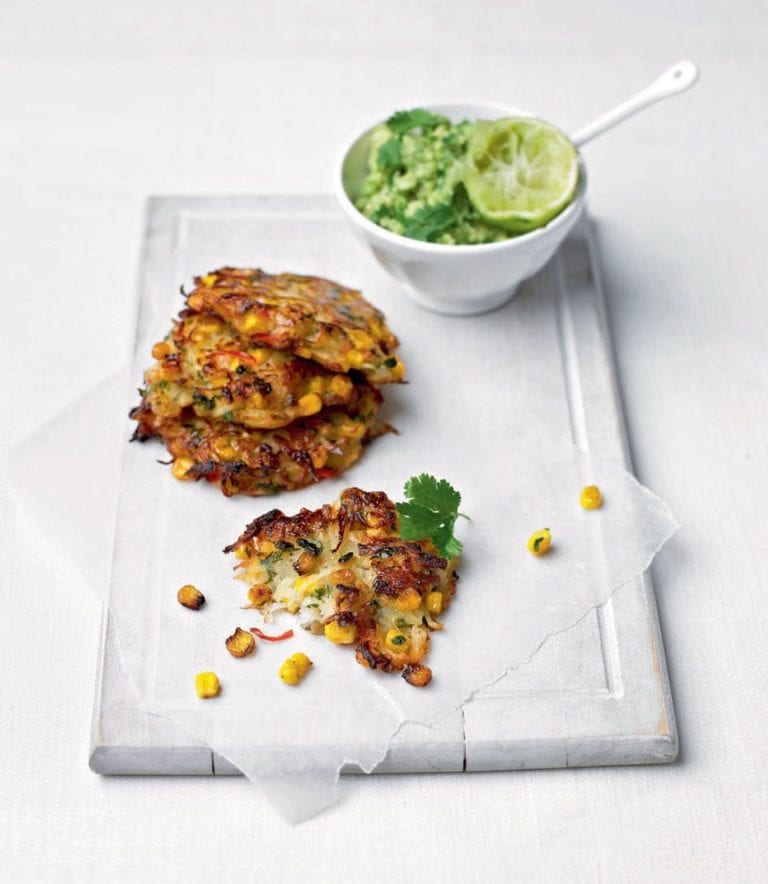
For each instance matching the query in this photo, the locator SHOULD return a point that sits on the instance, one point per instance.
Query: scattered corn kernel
(259, 354)
(190, 596)
(240, 643)
(294, 668)
(207, 685)
(243, 552)
(540, 541)
(311, 403)
(591, 498)
(417, 675)
(408, 601)
(209, 279)
(181, 467)
(340, 635)
(161, 350)
(433, 601)
(289, 672)
(302, 663)
(397, 641)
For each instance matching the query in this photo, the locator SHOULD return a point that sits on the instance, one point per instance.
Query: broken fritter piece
(242, 460)
(205, 365)
(312, 317)
(345, 570)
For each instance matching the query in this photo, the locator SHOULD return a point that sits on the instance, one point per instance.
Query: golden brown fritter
(205, 365)
(347, 572)
(242, 460)
(312, 317)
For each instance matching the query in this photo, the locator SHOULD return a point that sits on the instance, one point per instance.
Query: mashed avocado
(414, 185)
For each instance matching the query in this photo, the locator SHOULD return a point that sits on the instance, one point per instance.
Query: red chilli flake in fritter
(348, 574)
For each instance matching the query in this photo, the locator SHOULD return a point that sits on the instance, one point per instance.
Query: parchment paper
(484, 408)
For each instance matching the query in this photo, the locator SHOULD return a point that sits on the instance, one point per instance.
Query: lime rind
(520, 173)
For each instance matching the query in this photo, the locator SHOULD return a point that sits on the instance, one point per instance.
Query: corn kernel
(397, 641)
(433, 601)
(181, 467)
(258, 594)
(311, 403)
(319, 458)
(340, 635)
(289, 672)
(190, 596)
(417, 675)
(302, 663)
(361, 339)
(253, 322)
(408, 601)
(352, 429)
(305, 585)
(207, 685)
(398, 371)
(259, 354)
(240, 643)
(340, 385)
(540, 541)
(161, 350)
(356, 358)
(316, 385)
(591, 498)
(209, 279)
(243, 552)
(225, 450)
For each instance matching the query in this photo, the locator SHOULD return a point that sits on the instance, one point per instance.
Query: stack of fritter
(266, 381)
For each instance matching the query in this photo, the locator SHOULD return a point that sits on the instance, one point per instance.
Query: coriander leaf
(389, 155)
(429, 221)
(434, 493)
(431, 513)
(403, 121)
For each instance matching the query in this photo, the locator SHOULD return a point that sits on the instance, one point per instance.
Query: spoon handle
(678, 78)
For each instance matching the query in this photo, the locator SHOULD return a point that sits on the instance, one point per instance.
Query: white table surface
(104, 103)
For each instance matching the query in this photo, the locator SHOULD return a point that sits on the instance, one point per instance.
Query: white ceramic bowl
(458, 280)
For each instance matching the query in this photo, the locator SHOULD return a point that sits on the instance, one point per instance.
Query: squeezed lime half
(520, 172)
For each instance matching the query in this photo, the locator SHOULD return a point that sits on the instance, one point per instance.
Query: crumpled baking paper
(484, 409)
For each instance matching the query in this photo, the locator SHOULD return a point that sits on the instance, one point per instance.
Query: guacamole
(414, 185)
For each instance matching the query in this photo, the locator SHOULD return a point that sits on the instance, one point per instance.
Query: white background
(103, 103)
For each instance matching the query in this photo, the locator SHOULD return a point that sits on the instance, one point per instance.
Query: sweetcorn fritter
(312, 317)
(205, 365)
(242, 460)
(345, 570)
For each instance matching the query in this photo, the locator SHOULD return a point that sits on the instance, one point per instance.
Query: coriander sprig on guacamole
(466, 183)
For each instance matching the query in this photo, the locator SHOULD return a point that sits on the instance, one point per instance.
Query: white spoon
(678, 78)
